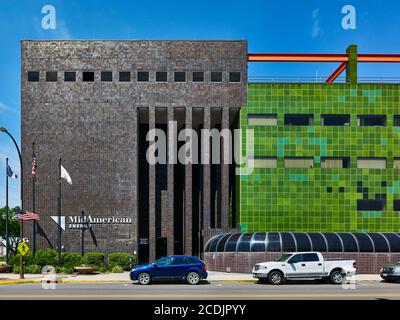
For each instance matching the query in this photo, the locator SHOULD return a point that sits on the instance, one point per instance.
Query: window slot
(299, 119)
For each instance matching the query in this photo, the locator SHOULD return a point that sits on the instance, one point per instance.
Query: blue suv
(188, 268)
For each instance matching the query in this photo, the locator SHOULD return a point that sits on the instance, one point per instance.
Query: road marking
(191, 296)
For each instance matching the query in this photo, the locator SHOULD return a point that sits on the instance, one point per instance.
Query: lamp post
(21, 224)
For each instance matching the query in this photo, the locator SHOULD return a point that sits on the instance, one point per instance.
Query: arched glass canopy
(304, 241)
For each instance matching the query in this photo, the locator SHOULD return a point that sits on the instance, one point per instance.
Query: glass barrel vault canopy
(304, 241)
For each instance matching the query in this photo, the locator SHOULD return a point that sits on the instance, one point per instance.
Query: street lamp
(21, 225)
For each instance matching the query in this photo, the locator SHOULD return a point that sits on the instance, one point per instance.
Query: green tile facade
(320, 199)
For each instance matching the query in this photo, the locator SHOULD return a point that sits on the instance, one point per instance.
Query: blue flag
(11, 174)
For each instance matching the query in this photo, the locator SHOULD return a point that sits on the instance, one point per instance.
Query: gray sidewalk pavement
(124, 277)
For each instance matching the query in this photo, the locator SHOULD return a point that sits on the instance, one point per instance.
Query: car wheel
(193, 278)
(144, 278)
(336, 277)
(275, 277)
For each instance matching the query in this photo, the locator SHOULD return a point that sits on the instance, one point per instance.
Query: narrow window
(33, 76)
(396, 163)
(51, 76)
(372, 120)
(124, 76)
(179, 76)
(299, 162)
(396, 120)
(371, 163)
(396, 205)
(161, 76)
(299, 119)
(371, 205)
(234, 76)
(198, 76)
(262, 120)
(106, 76)
(264, 162)
(335, 119)
(216, 76)
(335, 162)
(143, 76)
(69, 76)
(88, 76)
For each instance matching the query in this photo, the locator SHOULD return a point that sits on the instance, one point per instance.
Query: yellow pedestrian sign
(23, 248)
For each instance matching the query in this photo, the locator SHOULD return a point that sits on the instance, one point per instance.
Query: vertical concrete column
(225, 157)
(135, 168)
(206, 175)
(172, 145)
(188, 215)
(152, 194)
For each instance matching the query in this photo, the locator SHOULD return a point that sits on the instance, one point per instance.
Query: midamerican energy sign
(79, 222)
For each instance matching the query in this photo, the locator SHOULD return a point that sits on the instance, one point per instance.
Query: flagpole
(33, 204)
(59, 209)
(7, 239)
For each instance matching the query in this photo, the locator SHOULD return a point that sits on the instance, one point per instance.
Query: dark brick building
(92, 103)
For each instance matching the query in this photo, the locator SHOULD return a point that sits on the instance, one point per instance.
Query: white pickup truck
(304, 266)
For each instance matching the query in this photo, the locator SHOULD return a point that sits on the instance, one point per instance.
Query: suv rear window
(190, 260)
(179, 260)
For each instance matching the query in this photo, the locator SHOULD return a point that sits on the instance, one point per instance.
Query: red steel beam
(294, 57)
(337, 72)
(378, 58)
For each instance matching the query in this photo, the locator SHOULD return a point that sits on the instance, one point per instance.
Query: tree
(13, 227)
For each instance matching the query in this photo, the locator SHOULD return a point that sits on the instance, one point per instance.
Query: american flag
(26, 216)
(34, 165)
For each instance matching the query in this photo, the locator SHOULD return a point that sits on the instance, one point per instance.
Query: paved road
(364, 290)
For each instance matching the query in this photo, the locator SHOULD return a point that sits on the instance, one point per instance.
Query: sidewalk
(213, 276)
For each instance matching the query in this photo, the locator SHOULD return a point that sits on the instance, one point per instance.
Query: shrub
(28, 259)
(117, 269)
(124, 260)
(15, 268)
(66, 269)
(33, 268)
(70, 260)
(46, 257)
(95, 259)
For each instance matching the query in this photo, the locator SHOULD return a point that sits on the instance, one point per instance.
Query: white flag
(65, 175)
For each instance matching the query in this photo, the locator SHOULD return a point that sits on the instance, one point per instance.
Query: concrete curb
(19, 281)
(12, 282)
(97, 281)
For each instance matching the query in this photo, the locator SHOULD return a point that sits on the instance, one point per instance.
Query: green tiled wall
(297, 199)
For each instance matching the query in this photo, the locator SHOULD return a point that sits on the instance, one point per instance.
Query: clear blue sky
(268, 26)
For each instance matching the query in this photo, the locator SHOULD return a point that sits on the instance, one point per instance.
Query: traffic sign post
(23, 248)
